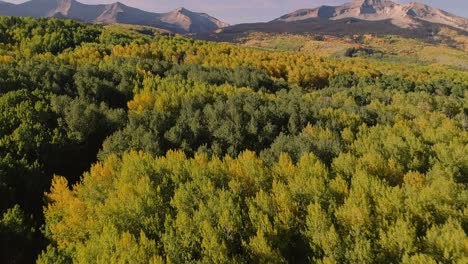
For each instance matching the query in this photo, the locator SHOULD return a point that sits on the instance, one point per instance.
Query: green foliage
(33, 36)
(180, 209)
(17, 236)
(247, 156)
(239, 76)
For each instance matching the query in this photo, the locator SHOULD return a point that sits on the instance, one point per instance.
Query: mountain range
(179, 20)
(376, 17)
(358, 16)
(404, 16)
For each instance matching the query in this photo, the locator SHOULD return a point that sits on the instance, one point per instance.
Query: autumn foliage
(172, 150)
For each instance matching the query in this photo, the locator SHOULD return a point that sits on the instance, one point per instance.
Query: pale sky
(245, 11)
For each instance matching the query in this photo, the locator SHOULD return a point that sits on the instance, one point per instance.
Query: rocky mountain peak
(180, 10)
(372, 2)
(403, 16)
(180, 20)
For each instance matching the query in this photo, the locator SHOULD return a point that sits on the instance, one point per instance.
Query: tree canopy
(182, 151)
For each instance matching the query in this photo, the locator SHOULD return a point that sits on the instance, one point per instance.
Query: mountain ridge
(180, 20)
(403, 16)
(385, 16)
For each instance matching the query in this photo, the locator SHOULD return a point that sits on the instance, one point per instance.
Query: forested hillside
(121, 145)
(447, 48)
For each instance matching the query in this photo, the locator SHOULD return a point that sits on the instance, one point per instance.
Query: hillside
(448, 48)
(180, 20)
(129, 144)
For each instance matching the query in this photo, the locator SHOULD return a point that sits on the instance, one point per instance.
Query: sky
(245, 11)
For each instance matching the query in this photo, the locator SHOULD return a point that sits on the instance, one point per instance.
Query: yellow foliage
(142, 101)
(66, 214)
(6, 59)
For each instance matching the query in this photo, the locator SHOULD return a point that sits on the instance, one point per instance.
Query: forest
(124, 145)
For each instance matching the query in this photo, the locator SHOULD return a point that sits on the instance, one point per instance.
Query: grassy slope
(390, 48)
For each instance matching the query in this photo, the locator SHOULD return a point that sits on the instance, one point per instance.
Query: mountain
(403, 16)
(180, 20)
(376, 17)
(5, 4)
(192, 22)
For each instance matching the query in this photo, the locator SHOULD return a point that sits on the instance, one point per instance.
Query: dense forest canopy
(154, 148)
